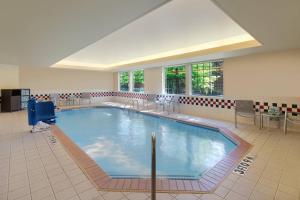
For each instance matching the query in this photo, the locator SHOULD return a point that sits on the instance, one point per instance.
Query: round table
(270, 116)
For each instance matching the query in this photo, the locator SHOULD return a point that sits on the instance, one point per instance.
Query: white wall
(269, 77)
(153, 80)
(9, 77)
(47, 80)
(263, 75)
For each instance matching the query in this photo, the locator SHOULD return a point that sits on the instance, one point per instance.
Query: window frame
(133, 81)
(191, 78)
(119, 81)
(165, 79)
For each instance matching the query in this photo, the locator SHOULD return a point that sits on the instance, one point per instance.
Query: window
(124, 81)
(175, 80)
(207, 78)
(138, 81)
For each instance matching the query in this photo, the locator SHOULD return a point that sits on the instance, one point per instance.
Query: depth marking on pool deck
(206, 183)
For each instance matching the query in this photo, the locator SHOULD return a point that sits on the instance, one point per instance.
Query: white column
(130, 78)
(163, 80)
(188, 79)
(118, 82)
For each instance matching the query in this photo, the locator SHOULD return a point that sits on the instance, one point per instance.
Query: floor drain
(52, 139)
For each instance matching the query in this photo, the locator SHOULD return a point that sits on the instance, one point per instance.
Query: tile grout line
(289, 149)
(26, 168)
(35, 142)
(230, 189)
(261, 176)
(58, 161)
(9, 169)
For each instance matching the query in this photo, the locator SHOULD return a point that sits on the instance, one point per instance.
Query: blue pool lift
(40, 112)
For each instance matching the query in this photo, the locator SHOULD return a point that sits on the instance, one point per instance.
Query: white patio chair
(160, 102)
(150, 99)
(172, 103)
(55, 98)
(244, 108)
(85, 96)
(290, 119)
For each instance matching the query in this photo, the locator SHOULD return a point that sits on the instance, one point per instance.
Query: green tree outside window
(124, 81)
(207, 78)
(138, 81)
(175, 80)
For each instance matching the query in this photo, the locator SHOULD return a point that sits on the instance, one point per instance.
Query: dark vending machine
(14, 99)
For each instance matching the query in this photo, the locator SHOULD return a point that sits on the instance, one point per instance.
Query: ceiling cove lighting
(228, 44)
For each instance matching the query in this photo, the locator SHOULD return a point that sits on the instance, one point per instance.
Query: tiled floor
(36, 166)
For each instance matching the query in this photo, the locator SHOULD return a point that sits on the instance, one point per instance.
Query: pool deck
(37, 166)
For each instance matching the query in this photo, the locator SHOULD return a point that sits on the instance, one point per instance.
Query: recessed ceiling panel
(176, 28)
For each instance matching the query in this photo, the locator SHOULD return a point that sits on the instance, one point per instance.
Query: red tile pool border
(208, 182)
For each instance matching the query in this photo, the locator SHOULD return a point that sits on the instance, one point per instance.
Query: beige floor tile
(210, 197)
(244, 187)
(233, 177)
(54, 172)
(136, 196)
(36, 185)
(222, 191)
(258, 195)
(289, 190)
(101, 198)
(18, 184)
(227, 183)
(58, 178)
(18, 193)
(3, 196)
(3, 189)
(61, 185)
(78, 179)
(74, 172)
(113, 196)
(285, 196)
(65, 194)
(89, 194)
(235, 196)
(265, 188)
(42, 193)
(164, 196)
(186, 197)
(83, 186)
(26, 197)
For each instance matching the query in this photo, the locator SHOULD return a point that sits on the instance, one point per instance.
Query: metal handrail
(131, 103)
(153, 167)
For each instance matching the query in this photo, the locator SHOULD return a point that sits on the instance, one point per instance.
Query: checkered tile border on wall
(208, 102)
(264, 106)
(214, 102)
(76, 94)
(197, 101)
(188, 100)
(133, 95)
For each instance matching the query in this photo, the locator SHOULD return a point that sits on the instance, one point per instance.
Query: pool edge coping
(207, 183)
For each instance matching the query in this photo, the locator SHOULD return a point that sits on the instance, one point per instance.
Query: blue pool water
(120, 142)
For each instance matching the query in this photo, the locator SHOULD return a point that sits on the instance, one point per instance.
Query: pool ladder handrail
(172, 104)
(153, 167)
(131, 104)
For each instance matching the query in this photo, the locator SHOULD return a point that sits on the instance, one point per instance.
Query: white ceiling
(176, 25)
(42, 32)
(275, 23)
